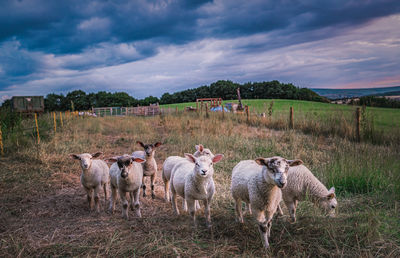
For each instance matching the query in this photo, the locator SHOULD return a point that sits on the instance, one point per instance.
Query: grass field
(43, 209)
(386, 119)
(379, 123)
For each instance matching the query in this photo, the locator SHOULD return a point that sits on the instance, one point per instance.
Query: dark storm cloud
(42, 39)
(71, 26)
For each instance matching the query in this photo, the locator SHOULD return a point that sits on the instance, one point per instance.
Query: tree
(79, 98)
(54, 102)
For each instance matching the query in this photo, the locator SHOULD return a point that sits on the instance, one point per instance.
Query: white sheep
(149, 166)
(301, 183)
(171, 161)
(257, 183)
(193, 180)
(126, 177)
(94, 177)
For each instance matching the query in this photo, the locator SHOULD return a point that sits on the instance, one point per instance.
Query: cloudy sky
(152, 47)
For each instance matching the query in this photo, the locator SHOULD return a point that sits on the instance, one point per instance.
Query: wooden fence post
(1, 142)
(55, 123)
(358, 121)
(37, 129)
(291, 122)
(247, 112)
(207, 110)
(176, 110)
(62, 123)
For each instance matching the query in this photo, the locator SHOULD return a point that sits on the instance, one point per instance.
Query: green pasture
(385, 119)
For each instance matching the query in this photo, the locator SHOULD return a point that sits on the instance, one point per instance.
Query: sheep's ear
(296, 162)
(75, 156)
(138, 160)
(265, 162)
(140, 143)
(190, 157)
(112, 160)
(261, 161)
(97, 154)
(330, 196)
(157, 144)
(200, 147)
(217, 158)
(332, 190)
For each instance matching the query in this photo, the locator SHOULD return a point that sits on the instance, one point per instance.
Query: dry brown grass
(43, 209)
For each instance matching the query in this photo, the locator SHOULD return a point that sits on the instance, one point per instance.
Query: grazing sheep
(171, 161)
(193, 180)
(257, 183)
(126, 177)
(150, 165)
(301, 183)
(94, 176)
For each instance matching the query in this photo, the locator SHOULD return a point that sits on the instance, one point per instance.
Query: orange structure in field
(214, 102)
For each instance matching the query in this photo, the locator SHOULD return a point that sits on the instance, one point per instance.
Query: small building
(28, 104)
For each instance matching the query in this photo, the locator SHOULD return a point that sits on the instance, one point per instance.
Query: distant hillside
(352, 93)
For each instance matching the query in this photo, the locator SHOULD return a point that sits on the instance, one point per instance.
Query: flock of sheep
(261, 183)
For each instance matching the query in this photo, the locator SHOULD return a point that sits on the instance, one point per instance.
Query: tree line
(252, 90)
(377, 101)
(79, 100)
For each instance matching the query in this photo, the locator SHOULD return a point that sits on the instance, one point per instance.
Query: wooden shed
(28, 104)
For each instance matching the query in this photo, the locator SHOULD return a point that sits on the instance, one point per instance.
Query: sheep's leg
(105, 192)
(248, 208)
(263, 226)
(292, 210)
(136, 204)
(196, 202)
(280, 210)
(97, 190)
(207, 212)
(113, 199)
(192, 210)
(144, 187)
(124, 202)
(174, 201)
(166, 190)
(153, 179)
(269, 222)
(184, 204)
(89, 193)
(238, 208)
(132, 199)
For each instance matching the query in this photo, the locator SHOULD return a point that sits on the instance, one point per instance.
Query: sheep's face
(204, 166)
(329, 202)
(201, 151)
(149, 148)
(86, 159)
(276, 169)
(124, 164)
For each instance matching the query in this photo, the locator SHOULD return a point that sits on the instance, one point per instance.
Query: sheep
(301, 183)
(257, 183)
(171, 161)
(193, 180)
(150, 165)
(126, 176)
(94, 176)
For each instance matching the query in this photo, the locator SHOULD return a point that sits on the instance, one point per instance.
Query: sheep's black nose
(333, 206)
(203, 171)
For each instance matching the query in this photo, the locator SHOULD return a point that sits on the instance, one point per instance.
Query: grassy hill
(384, 119)
(351, 93)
